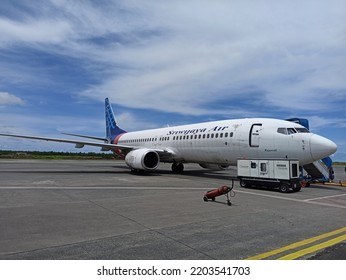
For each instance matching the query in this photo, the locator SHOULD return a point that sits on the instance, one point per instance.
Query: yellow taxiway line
(304, 242)
(314, 248)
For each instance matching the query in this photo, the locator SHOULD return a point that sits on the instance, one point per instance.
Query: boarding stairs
(319, 170)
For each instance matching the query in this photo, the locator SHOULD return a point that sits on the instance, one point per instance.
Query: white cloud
(34, 31)
(318, 122)
(10, 99)
(180, 56)
(292, 53)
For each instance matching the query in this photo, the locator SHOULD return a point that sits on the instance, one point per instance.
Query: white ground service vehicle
(274, 173)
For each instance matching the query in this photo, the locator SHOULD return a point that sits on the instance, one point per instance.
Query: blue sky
(167, 63)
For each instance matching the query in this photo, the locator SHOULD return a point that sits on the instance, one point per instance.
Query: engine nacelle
(213, 166)
(143, 159)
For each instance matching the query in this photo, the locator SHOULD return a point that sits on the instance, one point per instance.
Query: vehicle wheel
(243, 184)
(297, 189)
(205, 198)
(284, 188)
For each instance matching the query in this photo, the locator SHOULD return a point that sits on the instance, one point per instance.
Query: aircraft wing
(81, 144)
(86, 136)
(78, 143)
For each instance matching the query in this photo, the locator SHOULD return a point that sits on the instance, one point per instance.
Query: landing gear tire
(284, 188)
(177, 168)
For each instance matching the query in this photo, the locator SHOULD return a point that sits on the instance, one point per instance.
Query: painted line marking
(314, 248)
(293, 199)
(99, 188)
(177, 188)
(299, 244)
(324, 197)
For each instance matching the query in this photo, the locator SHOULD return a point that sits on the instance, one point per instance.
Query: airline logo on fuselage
(196, 130)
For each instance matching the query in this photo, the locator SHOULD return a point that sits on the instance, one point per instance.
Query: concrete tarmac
(98, 210)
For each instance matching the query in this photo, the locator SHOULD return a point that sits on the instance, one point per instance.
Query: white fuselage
(224, 142)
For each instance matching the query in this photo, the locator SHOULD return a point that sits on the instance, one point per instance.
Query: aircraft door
(264, 168)
(255, 134)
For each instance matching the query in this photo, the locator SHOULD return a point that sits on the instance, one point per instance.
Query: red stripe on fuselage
(118, 151)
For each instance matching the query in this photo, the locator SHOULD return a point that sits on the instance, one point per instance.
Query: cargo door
(255, 135)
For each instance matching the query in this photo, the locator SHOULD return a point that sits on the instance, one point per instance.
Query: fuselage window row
(204, 136)
(175, 138)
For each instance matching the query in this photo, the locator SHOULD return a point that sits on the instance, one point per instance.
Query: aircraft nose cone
(321, 147)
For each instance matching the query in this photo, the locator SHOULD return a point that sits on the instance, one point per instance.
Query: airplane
(212, 145)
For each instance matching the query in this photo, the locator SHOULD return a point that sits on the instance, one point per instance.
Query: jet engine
(213, 166)
(143, 159)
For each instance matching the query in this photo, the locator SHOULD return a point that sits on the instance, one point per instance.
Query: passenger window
(253, 164)
(226, 134)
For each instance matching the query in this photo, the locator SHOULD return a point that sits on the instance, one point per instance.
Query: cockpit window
(291, 130)
(282, 130)
(302, 130)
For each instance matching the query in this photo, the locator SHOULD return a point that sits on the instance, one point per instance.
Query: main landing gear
(177, 167)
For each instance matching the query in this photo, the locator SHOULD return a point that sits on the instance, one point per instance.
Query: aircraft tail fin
(112, 130)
